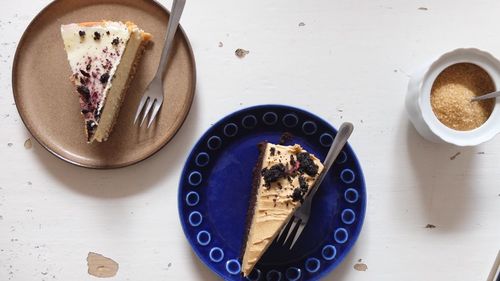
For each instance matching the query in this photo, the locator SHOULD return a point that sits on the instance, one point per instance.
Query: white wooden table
(349, 60)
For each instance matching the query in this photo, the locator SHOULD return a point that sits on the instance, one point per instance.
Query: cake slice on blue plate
(282, 179)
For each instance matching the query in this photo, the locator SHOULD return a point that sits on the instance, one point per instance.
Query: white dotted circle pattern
(312, 264)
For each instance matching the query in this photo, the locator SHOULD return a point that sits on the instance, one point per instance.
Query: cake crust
(131, 76)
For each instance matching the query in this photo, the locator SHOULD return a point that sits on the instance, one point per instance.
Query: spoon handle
(487, 96)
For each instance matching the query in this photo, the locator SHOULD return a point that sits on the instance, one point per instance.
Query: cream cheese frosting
(277, 200)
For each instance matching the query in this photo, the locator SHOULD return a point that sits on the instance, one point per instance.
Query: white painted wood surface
(350, 61)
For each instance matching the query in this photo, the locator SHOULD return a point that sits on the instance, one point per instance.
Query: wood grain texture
(350, 61)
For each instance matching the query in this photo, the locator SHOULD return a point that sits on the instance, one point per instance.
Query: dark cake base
(253, 196)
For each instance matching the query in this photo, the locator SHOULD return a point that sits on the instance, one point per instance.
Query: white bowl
(418, 99)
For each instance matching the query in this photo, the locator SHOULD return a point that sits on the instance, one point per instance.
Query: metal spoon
(487, 96)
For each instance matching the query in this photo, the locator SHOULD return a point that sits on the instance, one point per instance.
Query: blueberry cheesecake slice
(103, 57)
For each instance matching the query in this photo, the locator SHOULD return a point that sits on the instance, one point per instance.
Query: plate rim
(15, 93)
(180, 199)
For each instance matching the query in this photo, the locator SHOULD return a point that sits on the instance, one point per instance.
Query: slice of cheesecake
(283, 177)
(103, 57)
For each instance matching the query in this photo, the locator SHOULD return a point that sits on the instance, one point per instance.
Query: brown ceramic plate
(49, 107)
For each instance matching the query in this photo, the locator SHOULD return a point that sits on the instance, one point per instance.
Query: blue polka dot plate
(215, 187)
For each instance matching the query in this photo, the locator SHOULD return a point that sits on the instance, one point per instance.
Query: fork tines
(148, 104)
(293, 228)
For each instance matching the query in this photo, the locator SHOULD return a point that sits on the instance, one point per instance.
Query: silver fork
(299, 220)
(153, 97)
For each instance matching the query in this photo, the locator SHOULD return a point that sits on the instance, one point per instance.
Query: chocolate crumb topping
(297, 195)
(97, 114)
(273, 174)
(294, 166)
(285, 137)
(88, 67)
(300, 192)
(81, 33)
(84, 73)
(97, 36)
(91, 125)
(107, 32)
(84, 111)
(84, 91)
(273, 151)
(307, 165)
(116, 41)
(303, 184)
(104, 78)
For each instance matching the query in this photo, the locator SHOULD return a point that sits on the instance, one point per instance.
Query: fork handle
(173, 23)
(340, 140)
